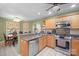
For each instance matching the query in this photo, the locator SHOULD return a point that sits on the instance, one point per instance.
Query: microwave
(62, 24)
(63, 32)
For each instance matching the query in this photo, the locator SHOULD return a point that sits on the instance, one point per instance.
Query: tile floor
(50, 52)
(8, 51)
(11, 51)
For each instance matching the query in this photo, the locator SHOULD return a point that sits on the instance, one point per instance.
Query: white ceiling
(29, 11)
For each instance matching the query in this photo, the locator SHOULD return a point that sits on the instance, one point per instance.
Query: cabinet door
(24, 47)
(75, 21)
(51, 41)
(44, 41)
(50, 23)
(75, 47)
(41, 43)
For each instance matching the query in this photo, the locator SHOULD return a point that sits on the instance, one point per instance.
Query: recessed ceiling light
(16, 19)
(49, 13)
(73, 5)
(38, 13)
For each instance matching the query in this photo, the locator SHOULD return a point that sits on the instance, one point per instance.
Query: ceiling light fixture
(73, 5)
(49, 13)
(16, 19)
(38, 13)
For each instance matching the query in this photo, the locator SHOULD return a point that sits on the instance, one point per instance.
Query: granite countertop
(30, 37)
(33, 37)
(36, 36)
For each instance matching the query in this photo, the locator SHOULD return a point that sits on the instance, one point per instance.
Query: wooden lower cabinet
(42, 42)
(24, 47)
(33, 47)
(51, 41)
(75, 46)
(47, 40)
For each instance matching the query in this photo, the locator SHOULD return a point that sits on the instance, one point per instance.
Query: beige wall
(26, 27)
(12, 25)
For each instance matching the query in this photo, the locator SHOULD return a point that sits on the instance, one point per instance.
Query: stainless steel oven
(63, 36)
(64, 44)
(63, 31)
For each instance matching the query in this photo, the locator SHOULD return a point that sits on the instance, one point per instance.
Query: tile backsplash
(74, 32)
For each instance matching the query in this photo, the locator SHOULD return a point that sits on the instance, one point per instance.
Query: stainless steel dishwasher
(33, 47)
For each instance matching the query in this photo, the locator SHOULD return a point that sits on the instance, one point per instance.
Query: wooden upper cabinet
(75, 46)
(63, 18)
(50, 23)
(75, 21)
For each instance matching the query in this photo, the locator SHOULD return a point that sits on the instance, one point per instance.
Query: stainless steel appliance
(63, 42)
(63, 38)
(33, 47)
(63, 24)
(63, 31)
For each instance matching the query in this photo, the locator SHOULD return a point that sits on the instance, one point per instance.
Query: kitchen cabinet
(50, 23)
(47, 40)
(23, 47)
(42, 42)
(51, 41)
(33, 47)
(75, 21)
(75, 46)
(28, 46)
(63, 18)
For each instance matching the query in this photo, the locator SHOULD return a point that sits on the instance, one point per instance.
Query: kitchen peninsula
(33, 44)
